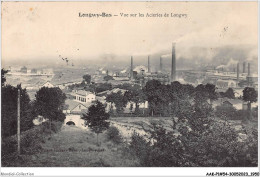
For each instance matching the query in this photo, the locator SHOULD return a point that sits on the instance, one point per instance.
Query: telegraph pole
(18, 124)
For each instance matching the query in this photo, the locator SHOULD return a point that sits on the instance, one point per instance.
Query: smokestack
(131, 69)
(244, 67)
(161, 67)
(173, 72)
(149, 70)
(237, 72)
(248, 70)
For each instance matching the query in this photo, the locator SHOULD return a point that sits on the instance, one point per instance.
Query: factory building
(142, 77)
(23, 70)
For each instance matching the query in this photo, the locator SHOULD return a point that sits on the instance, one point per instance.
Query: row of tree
(48, 103)
(174, 98)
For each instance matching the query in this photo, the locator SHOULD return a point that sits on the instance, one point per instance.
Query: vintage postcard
(129, 84)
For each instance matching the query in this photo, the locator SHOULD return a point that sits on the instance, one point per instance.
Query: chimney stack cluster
(244, 69)
(173, 65)
(248, 68)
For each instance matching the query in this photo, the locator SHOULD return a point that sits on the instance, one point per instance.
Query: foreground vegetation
(74, 147)
(219, 145)
(31, 143)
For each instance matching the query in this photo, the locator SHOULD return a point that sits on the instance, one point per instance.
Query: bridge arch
(73, 119)
(70, 123)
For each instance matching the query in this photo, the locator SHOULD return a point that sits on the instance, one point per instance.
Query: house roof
(73, 104)
(81, 92)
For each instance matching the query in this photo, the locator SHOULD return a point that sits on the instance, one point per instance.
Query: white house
(83, 96)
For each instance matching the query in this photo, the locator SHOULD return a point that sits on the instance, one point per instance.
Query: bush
(139, 146)
(55, 126)
(241, 115)
(113, 135)
(227, 112)
(30, 141)
(218, 146)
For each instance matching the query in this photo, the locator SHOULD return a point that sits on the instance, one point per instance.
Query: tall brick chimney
(149, 69)
(248, 70)
(244, 67)
(131, 69)
(161, 66)
(173, 71)
(237, 72)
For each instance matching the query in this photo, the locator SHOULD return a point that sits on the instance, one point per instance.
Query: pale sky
(33, 31)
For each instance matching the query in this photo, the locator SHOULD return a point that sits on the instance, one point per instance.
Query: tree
(153, 94)
(102, 87)
(114, 135)
(211, 90)
(250, 96)
(9, 110)
(226, 112)
(216, 146)
(87, 78)
(131, 108)
(3, 79)
(96, 118)
(127, 86)
(230, 93)
(136, 95)
(118, 99)
(202, 110)
(49, 103)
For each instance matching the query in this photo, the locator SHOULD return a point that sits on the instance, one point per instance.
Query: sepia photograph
(129, 84)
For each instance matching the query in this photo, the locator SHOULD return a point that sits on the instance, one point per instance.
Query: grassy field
(75, 147)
